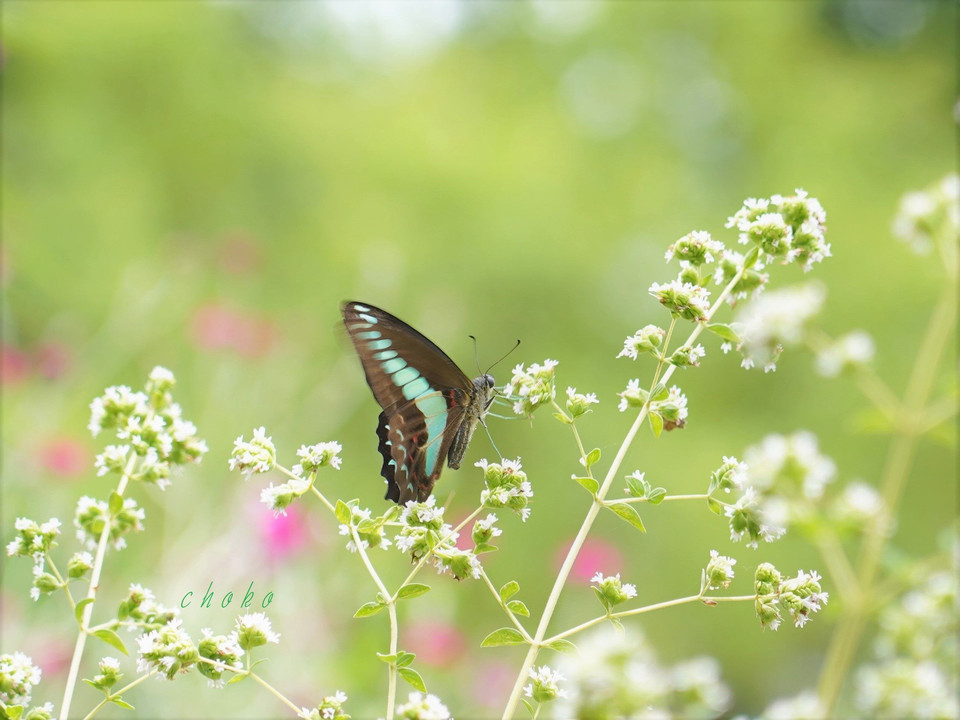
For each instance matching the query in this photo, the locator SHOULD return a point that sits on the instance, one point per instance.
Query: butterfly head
(488, 380)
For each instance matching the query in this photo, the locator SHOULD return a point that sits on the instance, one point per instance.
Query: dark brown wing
(422, 392)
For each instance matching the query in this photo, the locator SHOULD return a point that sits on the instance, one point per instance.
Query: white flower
(774, 320)
(423, 707)
(313, 457)
(854, 349)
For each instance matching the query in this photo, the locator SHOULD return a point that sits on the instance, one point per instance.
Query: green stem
(276, 693)
(595, 507)
(698, 496)
(118, 693)
(502, 604)
(74, 673)
(846, 640)
(64, 583)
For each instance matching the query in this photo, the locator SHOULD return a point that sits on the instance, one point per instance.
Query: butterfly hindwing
(423, 394)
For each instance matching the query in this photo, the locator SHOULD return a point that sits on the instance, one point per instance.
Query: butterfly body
(430, 409)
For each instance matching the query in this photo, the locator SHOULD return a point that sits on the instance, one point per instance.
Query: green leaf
(601, 597)
(593, 457)
(655, 496)
(531, 708)
(484, 548)
(13, 712)
(715, 506)
(412, 590)
(239, 677)
(589, 483)
(564, 646)
(368, 609)
(656, 423)
(724, 331)
(635, 486)
(509, 590)
(404, 658)
(412, 677)
(518, 608)
(388, 658)
(122, 703)
(78, 610)
(628, 513)
(563, 418)
(92, 684)
(660, 392)
(342, 511)
(750, 260)
(111, 638)
(116, 503)
(503, 636)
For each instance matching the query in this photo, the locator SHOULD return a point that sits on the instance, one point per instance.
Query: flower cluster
(35, 541)
(421, 706)
(142, 608)
(683, 299)
(696, 248)
(256, 456)
(254, 630)
(485, 530)
(849, 352)
(789, 229)
(791, 465)
(801, 596)
(314, 457)
(719, 571)
(647, 339)
(618, 675)
(18, 676)
(506, 486)
(544, 685)
(330, 708)
(109, 674)
(773, 321)
(929, 216)
(156, 437)
(369, 530)
(731, 475)
(424, 531)
(857, 507)
(579, 403)
(610, 591)
(279, 497)
(92, 516)
(750, 517)
(531, 387)
(168, 650)
(222, 652)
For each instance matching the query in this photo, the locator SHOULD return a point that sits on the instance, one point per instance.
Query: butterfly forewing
(423, 394)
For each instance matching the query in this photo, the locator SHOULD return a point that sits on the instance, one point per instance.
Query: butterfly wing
(422, 392)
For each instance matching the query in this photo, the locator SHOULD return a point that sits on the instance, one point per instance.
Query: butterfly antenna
(504, 356)
(476, 355)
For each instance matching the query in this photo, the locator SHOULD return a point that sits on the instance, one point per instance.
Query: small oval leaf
(593, 457)
(503, 636)
(122, 703)
(412, 677)
(111, 638)
(564, 646)
(78, 610)
(518, 607)
(589, 483)
(368, 609)
(656, 423)
(412, 590)
(239, 677)
(342, 512)
(116, 503)
(509, 590)
(629, 514)
(404, 658)
(724, 331)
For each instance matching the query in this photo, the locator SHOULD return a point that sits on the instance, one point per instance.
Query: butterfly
(430, 408)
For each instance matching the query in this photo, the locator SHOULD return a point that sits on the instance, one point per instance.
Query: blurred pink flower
(14, 365)
(52, 360)
(595, 556)
(434, 642)
(492, 683)
(53, 657)
(65, 456)
(283, 535)
(214, 327)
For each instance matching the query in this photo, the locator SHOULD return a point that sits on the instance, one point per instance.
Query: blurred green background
(199, 184)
